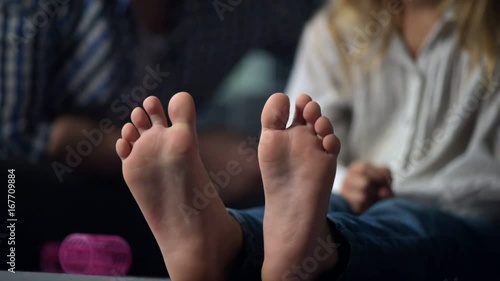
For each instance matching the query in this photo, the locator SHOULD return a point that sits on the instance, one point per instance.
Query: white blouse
(434, 120)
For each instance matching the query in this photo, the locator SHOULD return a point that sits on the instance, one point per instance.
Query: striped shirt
(56, 57)
(435, 121)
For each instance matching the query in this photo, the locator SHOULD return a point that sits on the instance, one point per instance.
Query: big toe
(181, 108)
(276, 112)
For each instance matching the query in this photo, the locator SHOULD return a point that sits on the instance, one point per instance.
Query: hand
(366, 184)
(66, 138)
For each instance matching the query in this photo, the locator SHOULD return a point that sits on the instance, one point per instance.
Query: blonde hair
(477, 24)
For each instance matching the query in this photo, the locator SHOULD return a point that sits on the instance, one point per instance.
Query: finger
(359, 189)
(383, 170)
(374, 174)
(368, 170)
(352, 197)
(386, 172)
(385, 192)
(361, 203)
(381, 175)
(360, 167)
(358, 182)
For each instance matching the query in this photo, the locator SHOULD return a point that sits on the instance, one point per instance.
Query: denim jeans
(396, 240)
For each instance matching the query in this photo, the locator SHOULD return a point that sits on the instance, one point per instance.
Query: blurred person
(61, 64)
(436, 116)
(405, 213)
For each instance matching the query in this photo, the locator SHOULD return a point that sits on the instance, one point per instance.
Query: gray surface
(29, 276)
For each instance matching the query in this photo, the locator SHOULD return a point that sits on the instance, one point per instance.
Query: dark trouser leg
(396, 240)
(400, 240)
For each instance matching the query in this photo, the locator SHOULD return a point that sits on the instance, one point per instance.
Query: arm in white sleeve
(472, 185)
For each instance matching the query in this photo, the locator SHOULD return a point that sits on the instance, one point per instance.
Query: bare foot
(298, 168)
(163, 169)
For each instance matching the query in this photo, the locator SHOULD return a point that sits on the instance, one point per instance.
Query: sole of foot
(298, 169)
(164, 172)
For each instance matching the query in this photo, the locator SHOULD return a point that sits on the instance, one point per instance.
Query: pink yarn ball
(90, 254)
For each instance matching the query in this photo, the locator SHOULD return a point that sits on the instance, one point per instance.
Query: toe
(331, 144)
(312, 112)
(323, 126)
(140, 120)
(155, 110)
(123, 148)
(276, 112)
(300, 104)
(130, 133)
(181, 108)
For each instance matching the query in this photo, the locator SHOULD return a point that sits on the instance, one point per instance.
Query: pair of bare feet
(199, 240)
